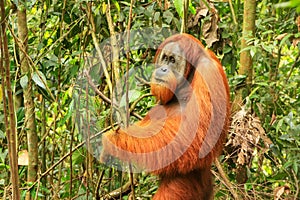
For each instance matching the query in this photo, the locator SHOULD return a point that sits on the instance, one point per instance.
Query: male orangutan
(180, 137)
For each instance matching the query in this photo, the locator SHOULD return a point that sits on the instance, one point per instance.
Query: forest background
(63, 65)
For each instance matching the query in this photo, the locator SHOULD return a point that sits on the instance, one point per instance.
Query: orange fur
(164, 92)
(179, 139)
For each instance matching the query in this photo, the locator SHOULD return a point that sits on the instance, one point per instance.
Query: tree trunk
(30, 126)
(245, 57)
(248, 33)
(8, 107)
(245, 69)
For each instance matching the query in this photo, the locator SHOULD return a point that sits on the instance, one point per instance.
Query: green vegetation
(71, 72)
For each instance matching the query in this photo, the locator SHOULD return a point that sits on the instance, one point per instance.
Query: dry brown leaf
(245, 134)
(210, 26)
(281, 36)
(296, 41)
(298, 23)
(279, 191)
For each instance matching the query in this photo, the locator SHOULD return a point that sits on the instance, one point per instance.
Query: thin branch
(105, 98)
(232, 12)
(296, 184)
(67, 155)
(124, 189)
(297, 60)
(99, 184)
(31, 63)
(99, 52)
(138, 100)
(127, 90)
(227, 183)
(11, 131)
(94, 87)
(184, 17)
(143, 81)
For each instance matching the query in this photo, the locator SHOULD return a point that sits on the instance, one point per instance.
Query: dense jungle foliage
(67, 85)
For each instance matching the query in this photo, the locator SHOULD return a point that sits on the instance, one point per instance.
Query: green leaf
(3, 154)
(279, 124)
(39, 79)
(287, 164)
(179, 7)
(168, 16)
(192, 9)
(238, 79)
(295, 166)
(132, 96)
(287, 137)
(295, 3)
(116, 3)
(284, 39)
(227, 49)
(77, 157)
(76, 53)
(267, 32)
(2, 134)
(156, 17)
(24, 81)
(68, 115)
(253, 92)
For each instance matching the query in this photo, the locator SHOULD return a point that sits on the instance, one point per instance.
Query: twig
(293, 66)
(124, 189)
(225, 179)
(127, 90)
(296, 183)
(232, 12)
(138, 100)
(143, 81)
(20, 45)
(99, 184)
(94, 87)
(105, 98)
(100, 55)
(185, 4)
(67, 155)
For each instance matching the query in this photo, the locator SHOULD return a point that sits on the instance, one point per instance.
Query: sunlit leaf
(132, 96)
(24, 81)
(39, 79)
(179, 7)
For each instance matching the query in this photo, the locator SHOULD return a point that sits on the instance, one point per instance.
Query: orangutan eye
(164, 58)
(172, 59)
